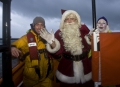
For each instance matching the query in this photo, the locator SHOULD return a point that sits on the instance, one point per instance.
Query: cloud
(24, 11)
(109, 9)
(21, 24)
(51, 9)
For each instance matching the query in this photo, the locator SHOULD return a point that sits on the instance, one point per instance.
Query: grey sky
(23, 12)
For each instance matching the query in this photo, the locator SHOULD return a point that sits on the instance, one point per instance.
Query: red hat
(62, 11)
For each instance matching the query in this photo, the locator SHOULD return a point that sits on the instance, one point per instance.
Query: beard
(104, 30)
(71, 38)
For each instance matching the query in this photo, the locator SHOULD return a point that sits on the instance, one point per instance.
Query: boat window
(0, 40)
(15, 61)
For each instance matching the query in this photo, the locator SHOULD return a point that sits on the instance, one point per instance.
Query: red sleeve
(84, 30)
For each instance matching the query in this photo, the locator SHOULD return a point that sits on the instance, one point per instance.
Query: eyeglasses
(70, 19)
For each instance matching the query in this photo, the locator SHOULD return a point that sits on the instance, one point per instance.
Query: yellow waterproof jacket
(42, 64)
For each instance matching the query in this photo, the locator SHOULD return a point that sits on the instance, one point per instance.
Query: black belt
(42, 50)
(76, 57)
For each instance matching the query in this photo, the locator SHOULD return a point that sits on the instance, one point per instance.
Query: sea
(14, 61)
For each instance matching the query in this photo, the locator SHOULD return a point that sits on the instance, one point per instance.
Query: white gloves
(93, 30)
(97, 31)
(49, 37)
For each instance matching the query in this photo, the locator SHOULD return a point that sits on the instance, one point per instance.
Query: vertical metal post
(94, 13)
(97, 84)
(6, 54)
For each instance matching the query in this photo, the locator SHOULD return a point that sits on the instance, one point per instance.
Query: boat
(12, 77)
(17, 74)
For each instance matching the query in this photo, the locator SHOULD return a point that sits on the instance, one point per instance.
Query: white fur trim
(65, 14)
(79, 76)
(54, 50)
(64, 78)
(87, 39)
(88, 76)
(82, 23)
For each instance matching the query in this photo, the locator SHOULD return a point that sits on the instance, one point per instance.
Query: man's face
(38, 26)
(70, 18)
(101, 24)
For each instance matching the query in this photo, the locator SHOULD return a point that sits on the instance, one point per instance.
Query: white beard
(71, 38)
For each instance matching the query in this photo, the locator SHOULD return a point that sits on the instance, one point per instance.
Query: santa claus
(71, 47)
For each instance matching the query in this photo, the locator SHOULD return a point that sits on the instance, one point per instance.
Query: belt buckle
(76, 58)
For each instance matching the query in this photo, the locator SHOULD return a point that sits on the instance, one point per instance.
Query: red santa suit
(74, 68)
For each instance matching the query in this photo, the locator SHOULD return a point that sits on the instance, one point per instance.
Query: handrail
(11, 38)
(17, 73)
(17, 67)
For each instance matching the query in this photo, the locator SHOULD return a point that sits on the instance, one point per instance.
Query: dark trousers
(87, 84)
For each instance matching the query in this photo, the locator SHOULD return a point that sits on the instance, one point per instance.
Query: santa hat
(65, 14)
(103, 19)
(62, 11)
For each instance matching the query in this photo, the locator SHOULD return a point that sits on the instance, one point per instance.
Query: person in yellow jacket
(38, 68)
